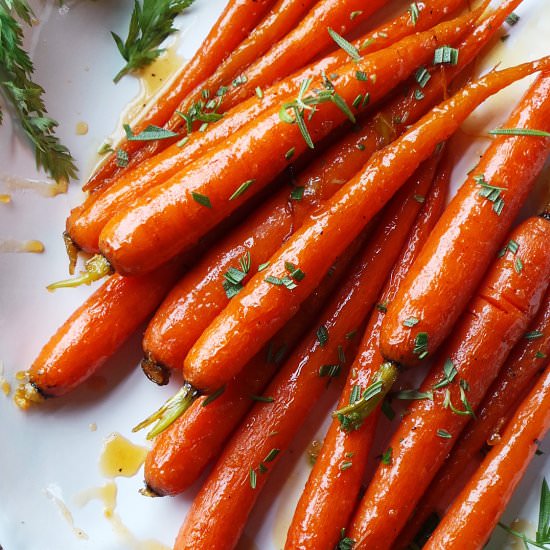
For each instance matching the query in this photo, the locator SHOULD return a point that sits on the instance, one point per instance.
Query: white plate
(52, 449)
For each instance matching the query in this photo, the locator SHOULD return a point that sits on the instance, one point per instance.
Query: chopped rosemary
(445, 55)
(519, 132)
(421, 345)
(122, 158)
(422, 76)
(387, 456)
(290, 153)
(349, 48)
(297, 194)
(533, 335)
(410, 322)
(414, 13)
(449, 373)
(262, 399)
(252, 478)
(413, 395)
(444, 434)
(151, 133)
(241, 189)
(322, 335)
(201, 199)
(491, 193)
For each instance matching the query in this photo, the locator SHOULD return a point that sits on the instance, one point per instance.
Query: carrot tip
(170, 411)
(157, 373)
(97, 267)
(147, 491)
(72, 251)
(352, 416)
(26, 395)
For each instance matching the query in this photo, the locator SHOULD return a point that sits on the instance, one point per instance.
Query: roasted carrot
(234, 24)
(173, 215)
(513, 383)
(87, 220)
(331, 492)
(475, 512)
(182, 451)
(258, 311)
(493, 322)
(220, 510)
(437, 289)
(95, 331)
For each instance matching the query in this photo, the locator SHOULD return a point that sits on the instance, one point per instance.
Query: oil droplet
(13, 245)
(5, 386)
(5, 199)
(53, 493)
(42, 187)
(81, 128)
(106, 494)
(121, 457)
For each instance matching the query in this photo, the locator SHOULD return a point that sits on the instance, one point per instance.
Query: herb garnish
(421, 345)
(151, 23)
(349, 48)
(491, 193)
(519, 132)
(201, 199)
(449, 372)
(151, 133)
(241, 189)
(446, 55)
(234, 277)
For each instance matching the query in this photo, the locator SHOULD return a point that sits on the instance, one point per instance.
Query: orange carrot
(493, 322)
(258, 311)
(181, 452)
(87, 220)
(96, 330)
(513, 383)
(475, 512)
(220, 510)
(437, 300)
(170, 217)
(234, 24)
(330, 494)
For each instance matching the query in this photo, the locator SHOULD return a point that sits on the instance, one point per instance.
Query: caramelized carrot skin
(261, 308)
(493, 322)
(234, 24)
(477, 509)
(437, 287)
(98, 328)
(513, 382)
(181, 453)
(86, 221)
(330, 494)
(155, 228)
(221, 508)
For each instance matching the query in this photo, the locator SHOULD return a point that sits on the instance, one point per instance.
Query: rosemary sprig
(151, 23)
(25, 96)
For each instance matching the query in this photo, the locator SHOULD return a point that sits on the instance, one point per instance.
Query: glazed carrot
(475, 512)
(182, 451)
(258, 311)
(86, 221)
(514, 381)
(331, 492)
(234, 24)
(170, 217)
(436, 301)
(96, 330)
(221, 508)
(493, 322)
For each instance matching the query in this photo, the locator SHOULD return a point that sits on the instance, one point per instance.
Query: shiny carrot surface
(437, 287)
(530, 355)
(221, 508)
(477, 509)
(493, 322)
(258, 311)
(236, 21)
(331, 492)
(86, 221)
(173, 215)
(181, 453)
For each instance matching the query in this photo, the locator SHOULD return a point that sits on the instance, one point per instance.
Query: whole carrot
(86, 221)
(220, 510)
(436, 301)
(234, 24)
(261, 308)
(494, 321)
(174, 214)
(95, 331)
(182, 451)
(331, 492)
(514, 381)
(475, 512)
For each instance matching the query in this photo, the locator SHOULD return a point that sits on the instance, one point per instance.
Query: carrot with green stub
(86, 221)
(258, 311)
(331, 492)
(183, 449)
(528, 358)
(171, 217)
(476, 511)
(496, 318)
(235, 22)
(221, 508)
